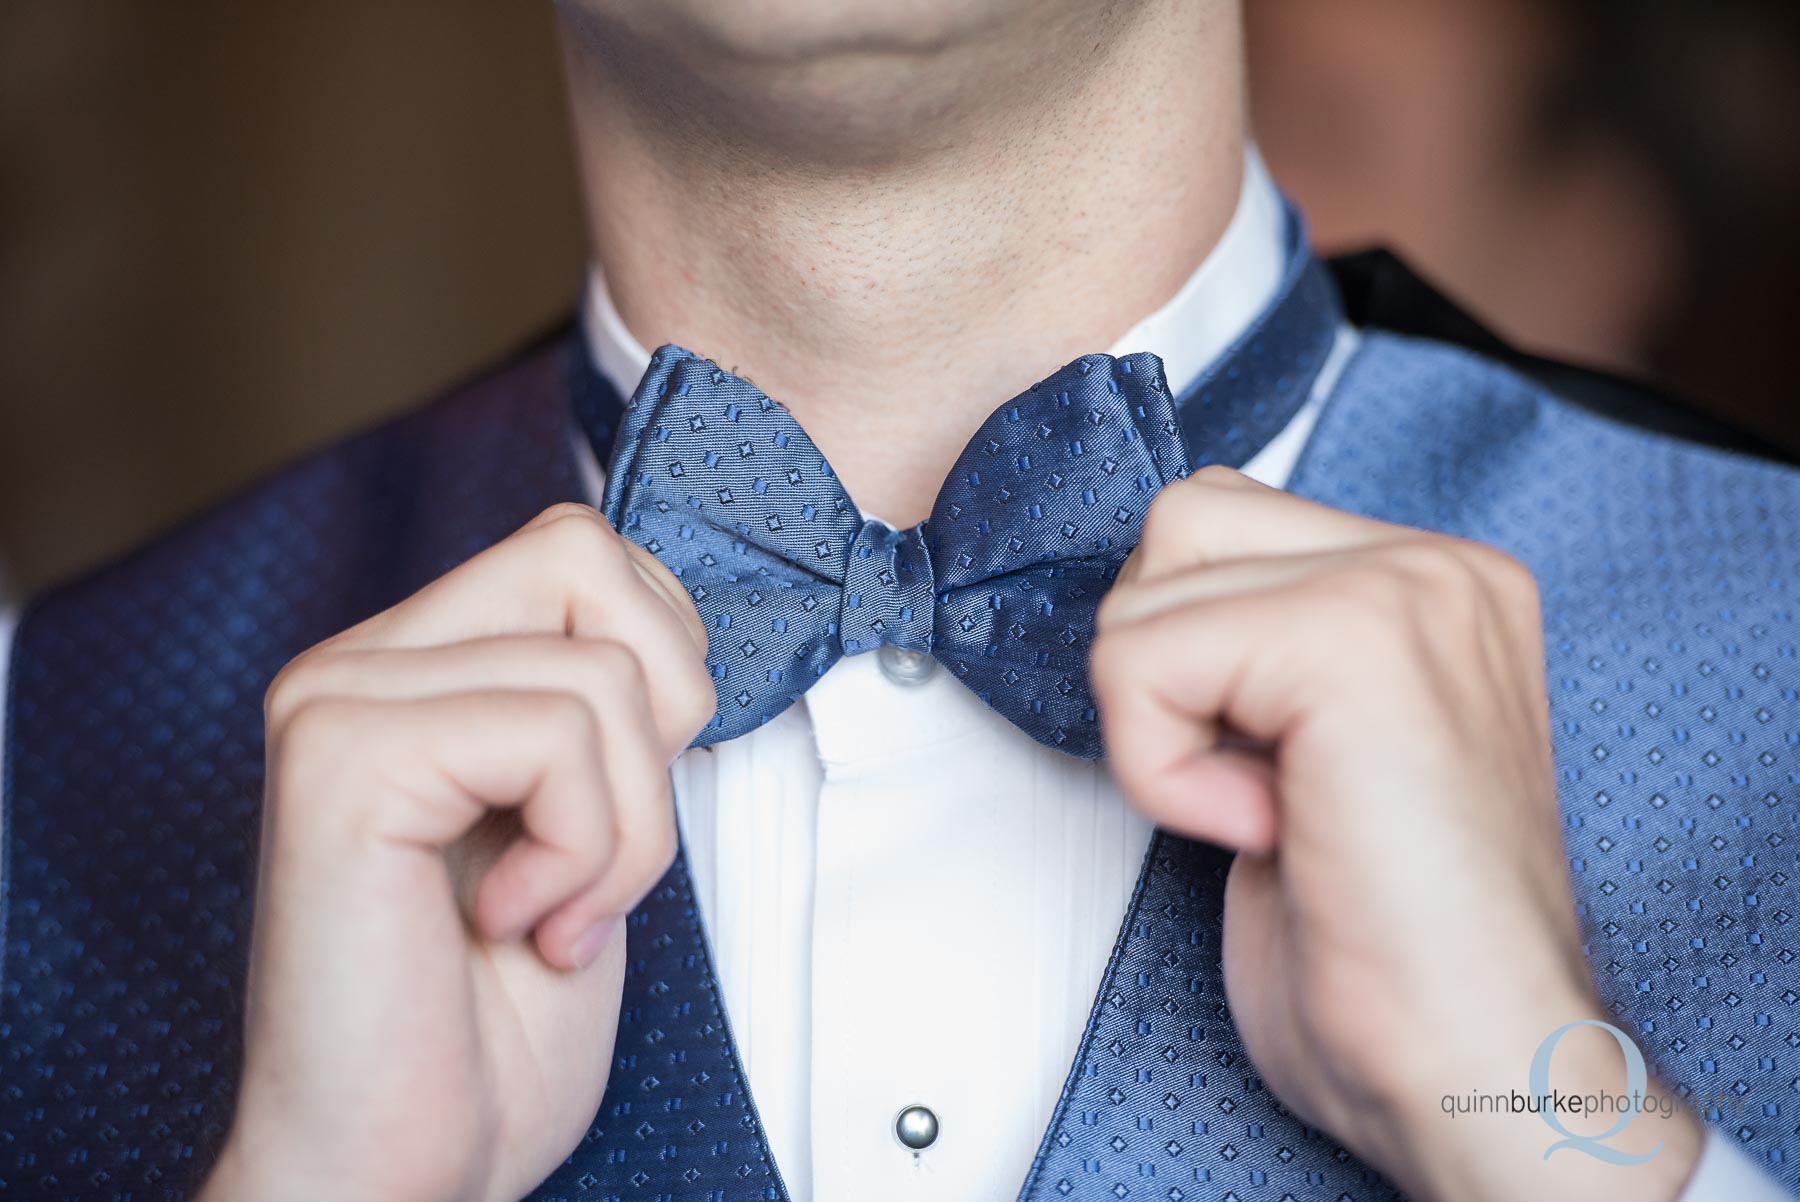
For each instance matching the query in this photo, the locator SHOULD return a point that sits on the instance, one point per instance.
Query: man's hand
(465, 794)
(1359, 711)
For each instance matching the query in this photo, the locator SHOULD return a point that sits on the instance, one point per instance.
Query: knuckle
(1109, 663)
(1475, 577)
(1510, 578)
(1217, 475)
(569, 718)
(1430, 561)
(680, 691)
(1107, 612)
(1175, 509)
(1171, 510)
(318, 731)
(668, 589)
(581, 558)
(572, 512)
(580, 537)
(1438, 579)
(686, 688)
(279, 697)
(611, 662)
(298, 681)
(696, 699)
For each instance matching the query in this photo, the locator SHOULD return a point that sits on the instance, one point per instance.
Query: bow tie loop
(888, 594)
(1066, 470)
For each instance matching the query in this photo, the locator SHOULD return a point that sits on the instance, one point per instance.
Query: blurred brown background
(230, 231)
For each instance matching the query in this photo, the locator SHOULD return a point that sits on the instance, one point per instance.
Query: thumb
(1223, 795)
(663, 583)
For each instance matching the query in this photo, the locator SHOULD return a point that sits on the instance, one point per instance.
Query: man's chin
(795, 33)
(862, 83)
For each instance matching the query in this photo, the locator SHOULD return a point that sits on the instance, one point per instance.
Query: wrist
(1556, 1108)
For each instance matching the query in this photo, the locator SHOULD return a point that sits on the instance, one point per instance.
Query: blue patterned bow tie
(1000, 583)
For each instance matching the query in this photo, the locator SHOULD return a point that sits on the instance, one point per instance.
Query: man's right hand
(465, 794)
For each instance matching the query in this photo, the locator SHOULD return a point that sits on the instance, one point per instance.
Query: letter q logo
(1636, 1078)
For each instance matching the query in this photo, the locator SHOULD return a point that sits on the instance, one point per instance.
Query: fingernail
(587, 945)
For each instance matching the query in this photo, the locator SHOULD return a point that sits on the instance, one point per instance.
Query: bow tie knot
(887, 597)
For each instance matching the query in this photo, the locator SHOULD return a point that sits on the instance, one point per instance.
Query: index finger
(1217, 515)
(565, 572)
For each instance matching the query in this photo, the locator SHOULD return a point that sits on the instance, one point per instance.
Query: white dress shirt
(910, 902)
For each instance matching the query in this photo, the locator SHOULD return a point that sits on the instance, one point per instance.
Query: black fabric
(1379, 290)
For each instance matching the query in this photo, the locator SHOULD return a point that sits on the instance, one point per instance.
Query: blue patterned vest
(134, 767)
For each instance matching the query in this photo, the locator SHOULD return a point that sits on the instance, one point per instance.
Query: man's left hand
(1359, 711)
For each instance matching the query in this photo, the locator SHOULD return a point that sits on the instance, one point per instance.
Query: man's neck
(893, 303)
